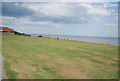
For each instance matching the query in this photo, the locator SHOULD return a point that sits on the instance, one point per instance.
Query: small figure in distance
(57, 37)
(40, 36)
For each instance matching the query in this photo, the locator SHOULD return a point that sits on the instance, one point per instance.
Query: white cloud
(99, 11)
(5, 17)
(69, 11)
(111, 24)
(106, 4)
(56, 14)
(112, 5)
(49, 9)
(60, 0)
(41, 23)
(25, 20)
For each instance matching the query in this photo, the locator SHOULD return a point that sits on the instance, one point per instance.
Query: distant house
(6, 30)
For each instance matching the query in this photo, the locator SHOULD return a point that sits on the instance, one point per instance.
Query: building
(6, 30)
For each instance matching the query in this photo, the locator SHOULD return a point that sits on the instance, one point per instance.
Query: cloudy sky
(62, 18)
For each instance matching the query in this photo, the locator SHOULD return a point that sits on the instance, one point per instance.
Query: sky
(62, 18)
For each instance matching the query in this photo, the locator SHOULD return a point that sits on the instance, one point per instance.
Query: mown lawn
(48, 58)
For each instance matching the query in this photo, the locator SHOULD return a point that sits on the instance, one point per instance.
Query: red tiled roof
(7, 29)
(0, 27)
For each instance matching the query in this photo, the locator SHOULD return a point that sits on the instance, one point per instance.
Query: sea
(92, 39)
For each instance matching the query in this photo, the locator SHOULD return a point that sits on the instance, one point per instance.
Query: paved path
(2, 70)
(0, 67)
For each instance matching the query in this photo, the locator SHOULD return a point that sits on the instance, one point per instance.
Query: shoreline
(73, 40)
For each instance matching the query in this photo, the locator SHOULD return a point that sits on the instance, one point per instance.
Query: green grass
(11, 73)
(52, 72)
(48, 58)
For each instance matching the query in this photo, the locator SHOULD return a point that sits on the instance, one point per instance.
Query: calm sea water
(102, 40)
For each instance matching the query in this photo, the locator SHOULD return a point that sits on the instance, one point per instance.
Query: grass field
(48, 58)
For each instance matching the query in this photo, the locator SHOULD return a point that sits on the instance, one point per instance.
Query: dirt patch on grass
(116, 58)
(66, 68)
(105, 60)
(111, 61)
(84, 61)
(71, 73)
(69, 69)
(49, 64)
(23, 70)
(113, 68)
(59, 62)
(85, 54)
(94, 52)
(86, 64)
(67, 62)
(43, 57)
